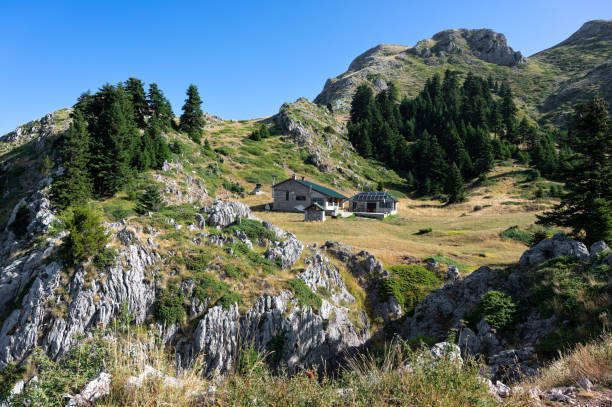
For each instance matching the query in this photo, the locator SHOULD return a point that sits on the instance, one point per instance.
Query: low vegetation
(409, 285)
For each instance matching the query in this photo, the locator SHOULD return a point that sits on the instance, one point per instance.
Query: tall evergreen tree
(192, 119)
(588, 181)
(115, 141)
(159, 107)
(135, 90)
(362, 104)
(454, 186)
(74, 186)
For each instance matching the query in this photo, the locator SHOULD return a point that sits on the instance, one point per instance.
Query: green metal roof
(321, 189)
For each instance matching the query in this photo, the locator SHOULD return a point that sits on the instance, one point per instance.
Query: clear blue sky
(246, 57)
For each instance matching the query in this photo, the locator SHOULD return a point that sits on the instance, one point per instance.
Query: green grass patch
(409, 285)
(304, 295)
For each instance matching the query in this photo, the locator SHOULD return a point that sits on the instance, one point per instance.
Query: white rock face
(94, 390)
(299, 336)
(225, 213)
(322, 273)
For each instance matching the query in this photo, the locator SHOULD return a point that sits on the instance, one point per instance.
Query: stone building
(295, 195)
(373, 202)
(314, 213)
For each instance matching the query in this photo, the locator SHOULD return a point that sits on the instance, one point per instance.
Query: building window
(286, 195)
(300, 198)
(354, 205)
(320, 201)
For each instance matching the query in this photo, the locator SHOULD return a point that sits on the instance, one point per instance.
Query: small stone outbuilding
(314, 213)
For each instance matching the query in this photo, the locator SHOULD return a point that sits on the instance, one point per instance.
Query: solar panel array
(372, 196)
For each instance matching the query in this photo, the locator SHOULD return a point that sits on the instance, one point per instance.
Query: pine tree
(150, 201)
(159, 106)
(135, 90)
(454, 186)
(588, 180)
(74, 186)
(192, 119)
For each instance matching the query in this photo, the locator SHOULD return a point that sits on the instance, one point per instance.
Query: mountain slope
(542, 83)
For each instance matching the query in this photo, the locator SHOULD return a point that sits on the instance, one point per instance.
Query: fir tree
(588, 180)
(159, 106)
(86, 236)
(135, 90)
(150, 201)
(192, 119)
(361, 104)
(115, 144)
(74, 186)
(454, 186)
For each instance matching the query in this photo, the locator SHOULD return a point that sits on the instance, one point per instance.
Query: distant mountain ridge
(547, 84)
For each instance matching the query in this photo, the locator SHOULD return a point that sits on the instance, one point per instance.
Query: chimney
(293, 176)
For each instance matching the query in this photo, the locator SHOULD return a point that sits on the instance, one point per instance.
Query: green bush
(11, 374)
(250, 362)
(169, 308)
(198, 261)
(409, 285)
(253, 229)
(230, 298)
(208, 287)
(424, 231)
(232, 271)
(515, 233)
(498, 309)
(68, 375)
(150, 201)
(304, 295)
(86, 236)
(234, 187)
(104, 258)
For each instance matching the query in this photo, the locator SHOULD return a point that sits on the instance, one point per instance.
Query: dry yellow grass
(468, 236)
(592, 360)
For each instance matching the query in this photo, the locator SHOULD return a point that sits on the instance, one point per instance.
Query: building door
(371, 207)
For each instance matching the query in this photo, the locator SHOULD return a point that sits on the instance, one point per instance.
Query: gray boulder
(96, 389)
(511, 365)
(452, 274)
(320, 272)
(225, 213)
(287, 251)
(557, 246)
(597, 248)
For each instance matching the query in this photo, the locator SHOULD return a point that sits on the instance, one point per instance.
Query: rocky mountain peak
(484, 44)
(591, 31)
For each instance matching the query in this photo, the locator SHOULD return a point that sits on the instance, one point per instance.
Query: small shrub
(276, 347)
(253, 229)
(424, 231)
(234, 187)
(515, 233)
(232, 271)
(104, 258)
(250, 362)
(207, 286)
(304, 294)
(230, 298)
(169, 308)
(409, 285)
(498, 309)
(177, 147)
(11, 374)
